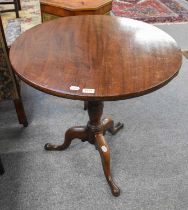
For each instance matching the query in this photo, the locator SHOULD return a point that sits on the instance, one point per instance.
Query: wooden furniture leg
(19, 5)
(72, 133)
(85, 105)
(16, 6)
(1, 167)
(104, 152)
(108, 125)
(93, 133)
(20, 112)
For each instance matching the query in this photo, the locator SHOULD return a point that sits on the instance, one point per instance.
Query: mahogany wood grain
(118, 57)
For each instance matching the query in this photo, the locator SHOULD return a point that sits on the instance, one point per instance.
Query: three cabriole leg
(94, 132)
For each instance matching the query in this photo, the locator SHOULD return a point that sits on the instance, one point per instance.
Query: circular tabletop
(95, 57)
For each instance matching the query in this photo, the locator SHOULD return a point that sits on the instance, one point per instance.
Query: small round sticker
(104, 149)
(74, 88)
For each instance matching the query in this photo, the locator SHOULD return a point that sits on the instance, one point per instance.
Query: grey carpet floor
(178, 31)
(149, 157)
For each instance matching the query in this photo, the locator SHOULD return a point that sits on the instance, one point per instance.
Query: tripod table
(95, 58)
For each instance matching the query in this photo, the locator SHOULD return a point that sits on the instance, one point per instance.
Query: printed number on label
(87, 90)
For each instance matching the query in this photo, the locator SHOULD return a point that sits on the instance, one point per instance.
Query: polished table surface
(117, 57)
(95, 58)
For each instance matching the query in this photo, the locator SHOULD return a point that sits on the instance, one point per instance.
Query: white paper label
(74, 88)
(104, 149)
(87, 90)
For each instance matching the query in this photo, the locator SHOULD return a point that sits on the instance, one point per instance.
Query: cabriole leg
(104, 151)
(108, 125)
(72, 133)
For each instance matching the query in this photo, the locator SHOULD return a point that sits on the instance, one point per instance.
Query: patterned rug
(152, 11)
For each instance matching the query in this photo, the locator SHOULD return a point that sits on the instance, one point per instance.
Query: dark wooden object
(118, 58)
(20, 112)
(17, 6)
(1, 167)
(11, 86)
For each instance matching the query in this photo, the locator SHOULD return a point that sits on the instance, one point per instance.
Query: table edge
(98, 98)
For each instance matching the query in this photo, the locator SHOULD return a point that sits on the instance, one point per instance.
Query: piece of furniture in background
(51, 9)
(15, 3)
(9, 86)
